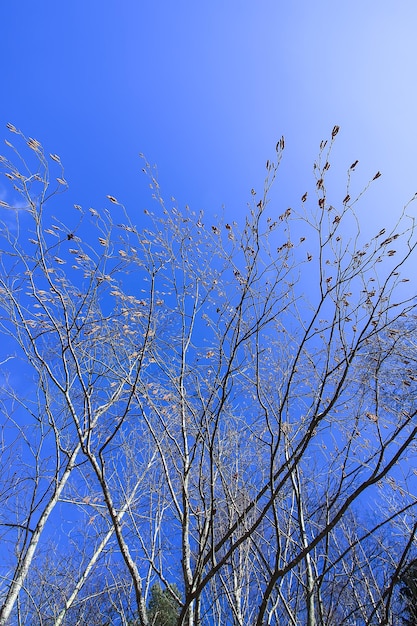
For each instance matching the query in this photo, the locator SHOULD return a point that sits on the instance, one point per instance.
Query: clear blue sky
(205, 89)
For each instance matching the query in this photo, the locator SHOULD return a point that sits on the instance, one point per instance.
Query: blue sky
(206, 89)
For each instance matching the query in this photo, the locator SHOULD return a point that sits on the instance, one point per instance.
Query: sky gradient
(204, 90)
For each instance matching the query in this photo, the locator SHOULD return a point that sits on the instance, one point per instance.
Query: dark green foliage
(163, 609)
(409, 593)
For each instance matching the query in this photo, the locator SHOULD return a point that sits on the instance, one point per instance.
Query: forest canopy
(204, 421)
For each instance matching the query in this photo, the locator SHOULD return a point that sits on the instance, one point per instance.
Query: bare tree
(211, 405)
